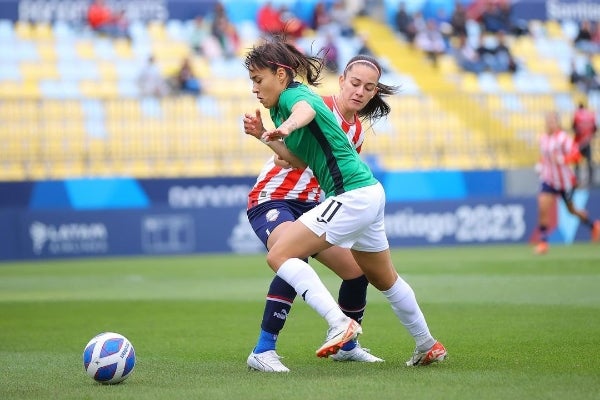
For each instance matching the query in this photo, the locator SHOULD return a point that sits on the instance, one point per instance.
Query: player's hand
(276, 134)
(253, 125)
(280, 162)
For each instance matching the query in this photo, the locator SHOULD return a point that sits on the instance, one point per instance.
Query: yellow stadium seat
(123, 49)
(23, 30)
(85, 49)
(156, 30)
(42, 31)
(99, 89)
(34, 70)
(505, 82)
(47, 51)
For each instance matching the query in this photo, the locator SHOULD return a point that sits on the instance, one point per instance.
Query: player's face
(552, 123)
(268, 85)
(358, 87)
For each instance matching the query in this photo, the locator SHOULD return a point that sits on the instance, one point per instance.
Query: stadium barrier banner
(74, 11)
(33, 234)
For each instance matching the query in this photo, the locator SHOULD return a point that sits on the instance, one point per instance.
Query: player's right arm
(253, 126)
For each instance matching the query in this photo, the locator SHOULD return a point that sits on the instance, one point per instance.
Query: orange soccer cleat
(596, 231)
(541, 248)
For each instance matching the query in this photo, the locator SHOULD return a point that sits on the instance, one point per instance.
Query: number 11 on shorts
(330, 211)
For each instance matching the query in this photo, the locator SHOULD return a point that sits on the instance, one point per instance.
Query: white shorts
(351, 220)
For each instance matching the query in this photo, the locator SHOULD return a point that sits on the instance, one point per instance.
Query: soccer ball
(109, 358)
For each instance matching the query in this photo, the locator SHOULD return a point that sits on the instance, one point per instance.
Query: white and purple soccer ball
(109, 358)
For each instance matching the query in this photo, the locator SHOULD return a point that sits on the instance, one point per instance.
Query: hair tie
(363, 61)
(281, 65)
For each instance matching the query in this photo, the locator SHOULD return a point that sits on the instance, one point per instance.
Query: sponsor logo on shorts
(272, 215)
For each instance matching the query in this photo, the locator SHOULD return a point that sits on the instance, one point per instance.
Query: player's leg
(285, 258)
(372, 254)
(379, 269)
(545, 204)
(352, 298)
(586, 152)
(593, 225)
(280, 295)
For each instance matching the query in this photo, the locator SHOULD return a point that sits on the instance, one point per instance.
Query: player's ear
(281, 74)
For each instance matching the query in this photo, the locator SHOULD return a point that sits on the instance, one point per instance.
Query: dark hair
(377, 107)
(275, 52)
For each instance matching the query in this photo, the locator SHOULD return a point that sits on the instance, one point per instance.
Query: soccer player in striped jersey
(351, 216)
(558, 154)
(281, 194)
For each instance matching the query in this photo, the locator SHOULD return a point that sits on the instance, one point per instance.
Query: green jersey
(322, 144)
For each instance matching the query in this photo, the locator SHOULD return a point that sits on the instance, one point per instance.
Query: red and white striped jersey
(555, 171)
(276, 183)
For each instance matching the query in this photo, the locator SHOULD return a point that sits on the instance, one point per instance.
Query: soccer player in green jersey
(308, 135)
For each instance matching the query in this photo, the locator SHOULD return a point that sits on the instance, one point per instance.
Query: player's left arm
(302, 114)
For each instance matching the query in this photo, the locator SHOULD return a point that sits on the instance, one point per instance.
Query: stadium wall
(122, 217)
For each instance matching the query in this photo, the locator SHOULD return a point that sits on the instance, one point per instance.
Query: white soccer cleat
(267, 361)
(359, 354)
(339, 335)
(435, 354)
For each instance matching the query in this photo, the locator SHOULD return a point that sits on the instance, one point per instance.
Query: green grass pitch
(516, 326)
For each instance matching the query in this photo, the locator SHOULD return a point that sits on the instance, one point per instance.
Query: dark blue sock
(543, 233)
(277, 307)
(352, 299)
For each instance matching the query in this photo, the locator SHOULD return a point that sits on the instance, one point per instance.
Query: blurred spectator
(505, 61)
(151, 82)
(584, 40)
(268, 19)
(586, 79)
(342, 18)
(102, 20)
(405, 23)
(496, 17)
(271, 20)
(363, 46)
(331, 54)
(202, 41)
(224, 31)
(431, 41)
(467, 57)
(292, 25)
(320, 17)
(495, 54)
(458, 21)
(186, 80)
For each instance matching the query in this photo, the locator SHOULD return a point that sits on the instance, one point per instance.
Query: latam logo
(65, 239)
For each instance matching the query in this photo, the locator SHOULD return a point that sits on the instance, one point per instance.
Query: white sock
(307, 283)
(405, 306)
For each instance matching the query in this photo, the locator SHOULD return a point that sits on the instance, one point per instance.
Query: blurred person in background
(431, 41)
(102, 20)
(320, 16)
(150, 81)
(224, 31)
(186, 80)
(405, 23)
(558, 154)
(584, 127)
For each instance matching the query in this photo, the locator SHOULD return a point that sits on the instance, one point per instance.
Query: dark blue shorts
(567, 196)
(265, 217)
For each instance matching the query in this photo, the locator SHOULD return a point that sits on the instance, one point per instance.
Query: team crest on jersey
(272, 215)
